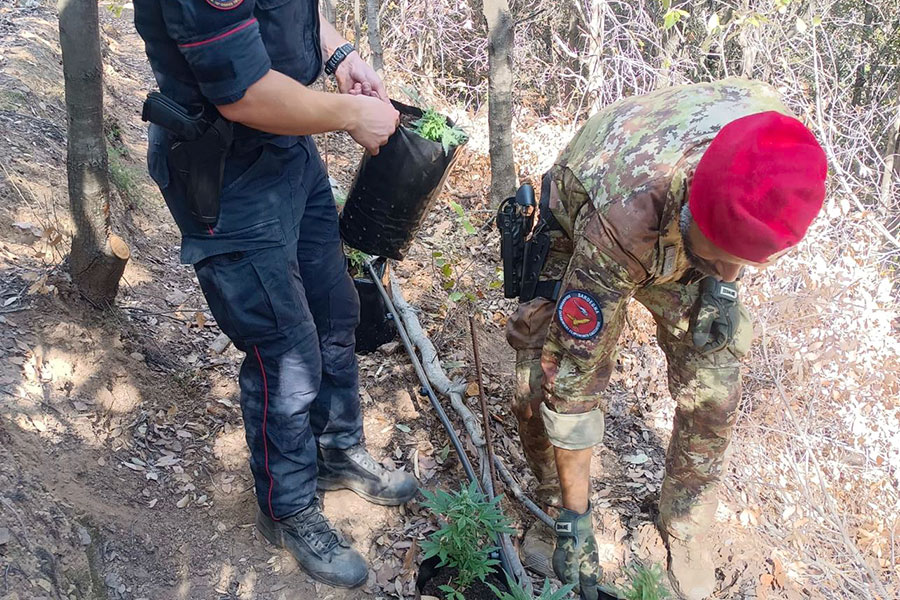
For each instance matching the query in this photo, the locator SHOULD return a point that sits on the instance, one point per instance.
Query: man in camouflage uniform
(663, 198)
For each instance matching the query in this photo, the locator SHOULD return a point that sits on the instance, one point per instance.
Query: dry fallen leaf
(410, 557)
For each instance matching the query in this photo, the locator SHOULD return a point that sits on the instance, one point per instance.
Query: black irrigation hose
(426, 385)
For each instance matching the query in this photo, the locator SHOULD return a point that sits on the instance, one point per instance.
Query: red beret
(759, 185)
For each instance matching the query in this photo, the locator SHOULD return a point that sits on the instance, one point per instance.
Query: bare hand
(374, 122)
(354, 76)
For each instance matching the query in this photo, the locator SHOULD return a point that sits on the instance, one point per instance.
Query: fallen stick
(485, 413)
(432, 364)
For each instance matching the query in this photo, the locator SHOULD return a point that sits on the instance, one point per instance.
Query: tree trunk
(860, 83)
(891, 160)
(98, 258)
(330, 13)
(374, 35)
(500, 104)
(670, 45)
(357, 26)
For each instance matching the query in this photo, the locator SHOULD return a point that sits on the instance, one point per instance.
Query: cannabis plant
(645, 584)
(357, 260)
(516, 592)
(433, 126)
(470, 522)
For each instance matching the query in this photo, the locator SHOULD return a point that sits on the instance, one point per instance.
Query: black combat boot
(318, 547)
(354, 469)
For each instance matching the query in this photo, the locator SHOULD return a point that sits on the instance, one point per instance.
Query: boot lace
(314, 528)
(360, 456)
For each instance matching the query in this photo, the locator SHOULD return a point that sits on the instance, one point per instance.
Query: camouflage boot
(691, 570)
(537, 548)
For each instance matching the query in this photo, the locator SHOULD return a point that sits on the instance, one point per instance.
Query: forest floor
(123, 467)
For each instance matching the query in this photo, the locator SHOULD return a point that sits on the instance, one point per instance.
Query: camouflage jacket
(633, 162)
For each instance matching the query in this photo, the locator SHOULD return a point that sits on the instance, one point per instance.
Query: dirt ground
(123, 469)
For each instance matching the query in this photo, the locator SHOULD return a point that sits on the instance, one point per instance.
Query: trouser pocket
(253, 294)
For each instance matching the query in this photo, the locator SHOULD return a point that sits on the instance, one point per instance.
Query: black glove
(575, 558)
(716, 315)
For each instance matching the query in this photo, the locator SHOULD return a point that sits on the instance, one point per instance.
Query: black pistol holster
(515, 219)
(524, 255)
(202, 142)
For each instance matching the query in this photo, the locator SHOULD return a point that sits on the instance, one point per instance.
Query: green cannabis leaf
(470, 521)
(433, 126)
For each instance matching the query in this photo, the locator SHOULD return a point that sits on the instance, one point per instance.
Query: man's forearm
(574, 467)
(280, 105)
(330, 39)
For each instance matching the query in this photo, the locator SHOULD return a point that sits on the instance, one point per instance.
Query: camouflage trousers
(705, 387)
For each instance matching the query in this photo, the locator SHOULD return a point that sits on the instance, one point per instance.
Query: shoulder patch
(579, 314)
(225, 4)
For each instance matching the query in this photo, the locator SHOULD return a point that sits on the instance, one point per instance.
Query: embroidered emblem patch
(579, 314)
(224, 4)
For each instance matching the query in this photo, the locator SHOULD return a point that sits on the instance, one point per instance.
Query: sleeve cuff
(573, 431)
(229, 62)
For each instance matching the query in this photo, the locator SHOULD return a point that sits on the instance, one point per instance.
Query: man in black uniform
(269, 259)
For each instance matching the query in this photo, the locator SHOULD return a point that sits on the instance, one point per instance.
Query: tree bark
(98, 258)
(330, 13)
(891, 160)
(500, 103)
(374, 35)
(357, 26)
(860, 83)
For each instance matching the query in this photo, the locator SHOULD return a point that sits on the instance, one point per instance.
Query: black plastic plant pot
(394, 190)
(375, 324)
(431, 573)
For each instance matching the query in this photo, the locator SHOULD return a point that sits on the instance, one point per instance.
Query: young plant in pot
(393, 191)
(458, 562)
(644, 583)
(515, 591)
(434, 126)
(375, 324)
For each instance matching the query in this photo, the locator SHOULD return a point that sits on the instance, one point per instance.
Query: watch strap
(338, 57)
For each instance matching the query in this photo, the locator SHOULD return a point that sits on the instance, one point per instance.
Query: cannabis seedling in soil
(516, 592)
(357, 260)
(470, 521)
(646, 584)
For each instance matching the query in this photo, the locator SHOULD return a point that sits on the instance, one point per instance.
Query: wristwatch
(338, 57)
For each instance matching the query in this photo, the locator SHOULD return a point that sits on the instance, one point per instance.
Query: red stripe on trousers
(265, 437)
